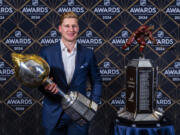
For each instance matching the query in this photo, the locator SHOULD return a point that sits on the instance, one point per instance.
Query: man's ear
(60, 28)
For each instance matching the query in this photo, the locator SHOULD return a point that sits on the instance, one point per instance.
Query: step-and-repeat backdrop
(105, 25)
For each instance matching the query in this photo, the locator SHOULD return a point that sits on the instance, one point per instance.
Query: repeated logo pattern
(105, 25)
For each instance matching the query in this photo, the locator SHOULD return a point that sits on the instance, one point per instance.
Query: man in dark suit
(71, 65)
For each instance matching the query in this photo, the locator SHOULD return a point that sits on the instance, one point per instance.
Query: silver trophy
(33, 71)
(141, 82)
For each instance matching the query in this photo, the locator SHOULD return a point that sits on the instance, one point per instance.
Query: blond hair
(68, 15)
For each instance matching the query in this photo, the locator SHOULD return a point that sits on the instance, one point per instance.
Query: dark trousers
(67, 127)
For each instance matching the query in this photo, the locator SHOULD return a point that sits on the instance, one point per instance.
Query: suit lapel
(60, 64)
(78, 61)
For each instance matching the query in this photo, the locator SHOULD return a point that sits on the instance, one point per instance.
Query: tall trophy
(33, 71)
(141, 82)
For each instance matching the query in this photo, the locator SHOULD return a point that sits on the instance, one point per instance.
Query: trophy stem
(141, 54)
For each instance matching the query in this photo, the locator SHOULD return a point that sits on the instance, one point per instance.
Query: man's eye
(74, 26)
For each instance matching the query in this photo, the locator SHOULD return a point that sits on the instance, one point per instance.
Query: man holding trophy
(71, 65)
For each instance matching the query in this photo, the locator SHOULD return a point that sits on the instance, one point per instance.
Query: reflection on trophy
(141, 82)
(32, 70)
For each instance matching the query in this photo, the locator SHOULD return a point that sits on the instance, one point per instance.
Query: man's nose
(71, 28)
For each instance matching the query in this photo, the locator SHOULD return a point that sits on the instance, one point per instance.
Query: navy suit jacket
(85, 65)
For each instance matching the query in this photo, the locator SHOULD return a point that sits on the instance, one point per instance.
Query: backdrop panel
(105, 25)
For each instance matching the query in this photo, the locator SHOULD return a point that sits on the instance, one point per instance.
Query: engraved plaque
(145, 100)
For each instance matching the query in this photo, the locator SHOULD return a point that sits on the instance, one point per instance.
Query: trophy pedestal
(144, 117)
(141, 80)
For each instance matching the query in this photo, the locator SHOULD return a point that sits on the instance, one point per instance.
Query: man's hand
(51, 88)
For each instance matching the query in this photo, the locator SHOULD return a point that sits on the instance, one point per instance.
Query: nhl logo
(1, 2)
(160, 34)
(143, 2)
(89, 33)
(18, 34)
(35, 2)
(71, 2)
(178, 3)
(53, 33)
(106, 2)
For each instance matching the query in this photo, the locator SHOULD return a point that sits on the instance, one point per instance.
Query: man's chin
(71, 39)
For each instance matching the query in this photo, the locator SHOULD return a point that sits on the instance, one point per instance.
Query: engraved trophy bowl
(33, 71)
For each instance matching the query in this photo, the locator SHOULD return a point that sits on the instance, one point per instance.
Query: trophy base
(140, 117)
(79, 108)
(142, 124)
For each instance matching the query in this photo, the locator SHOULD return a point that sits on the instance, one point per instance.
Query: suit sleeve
(41, 53)
(95, 80)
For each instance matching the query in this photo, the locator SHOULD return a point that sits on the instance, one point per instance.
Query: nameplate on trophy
(145, 90)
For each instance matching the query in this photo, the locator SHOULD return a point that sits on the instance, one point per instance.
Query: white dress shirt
(68, 61)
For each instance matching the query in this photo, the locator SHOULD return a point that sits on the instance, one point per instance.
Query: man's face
(69, 29)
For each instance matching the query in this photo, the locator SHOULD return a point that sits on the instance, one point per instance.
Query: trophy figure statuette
(33, 71)
(141, 82)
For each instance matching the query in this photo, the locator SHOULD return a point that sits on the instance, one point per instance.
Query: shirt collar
(63, 47)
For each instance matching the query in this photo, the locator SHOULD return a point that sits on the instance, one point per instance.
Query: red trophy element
(141, 35)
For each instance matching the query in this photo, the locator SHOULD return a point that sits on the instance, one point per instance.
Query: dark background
(105, 25)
